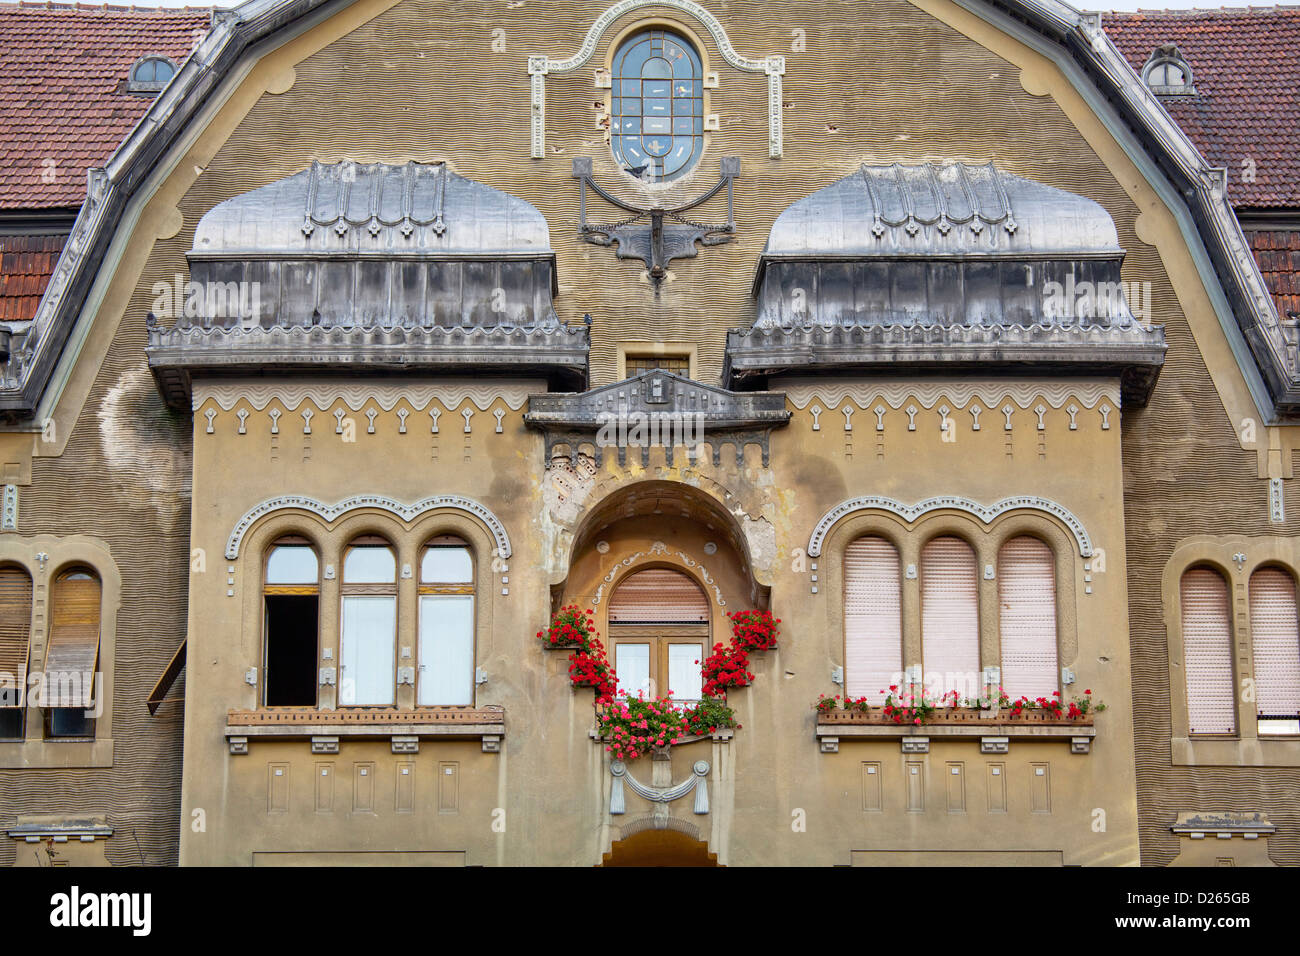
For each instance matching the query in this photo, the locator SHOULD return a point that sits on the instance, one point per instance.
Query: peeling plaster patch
(760, 535)
(565, 488)
(143, 441)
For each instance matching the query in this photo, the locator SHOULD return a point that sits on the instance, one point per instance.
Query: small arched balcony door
(659, 632)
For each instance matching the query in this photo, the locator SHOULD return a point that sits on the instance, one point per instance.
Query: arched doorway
(659, 634)
(659, 848)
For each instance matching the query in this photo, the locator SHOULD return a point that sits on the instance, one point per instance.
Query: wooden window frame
(659, 637)
(424, 589)
(384, 589)
(289, 590)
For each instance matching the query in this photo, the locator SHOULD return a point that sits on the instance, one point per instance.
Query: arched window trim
(1168, 55)
(137, 84)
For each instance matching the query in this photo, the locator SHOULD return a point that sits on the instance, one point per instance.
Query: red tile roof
(1246, 111)
(63, 73)
(1278, 255)
(26, 264)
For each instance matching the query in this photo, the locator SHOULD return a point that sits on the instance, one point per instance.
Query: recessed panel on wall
(324, 787)
(448, 786)
(997, 781)
(955, 775)
(405, 787)
(871, 793)
(363, 788)
(277, 788)
(1040, 788)
(914, 782)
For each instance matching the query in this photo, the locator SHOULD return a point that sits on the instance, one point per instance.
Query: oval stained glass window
(657, 113)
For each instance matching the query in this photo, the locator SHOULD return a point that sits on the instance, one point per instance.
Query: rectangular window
(873, 623)
(677, 364)
(291, 649)
(684, 678)
(1275, 636)
(632, 665)
(367, 652)
(950, 630)
(1027, 618)
(15, 634)
(1207, 652)
(446, 649)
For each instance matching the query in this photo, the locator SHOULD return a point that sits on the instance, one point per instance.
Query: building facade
(393, 329)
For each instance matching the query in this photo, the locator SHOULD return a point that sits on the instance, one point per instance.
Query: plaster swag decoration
(663, 795)
(405, 512)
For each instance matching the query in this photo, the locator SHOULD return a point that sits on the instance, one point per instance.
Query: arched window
(950, 627)
(150, 74)
(367, 651)
(657, 111)
(1027, 618)
(1275, 635)
(446, 623)
(1207, 652)
(1167, 72)
(659, 629)
(292, 616)
(15, 647)
(72, 653)
(873, 623)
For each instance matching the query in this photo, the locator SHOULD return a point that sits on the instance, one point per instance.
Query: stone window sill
(75, 754)
(1235, 752)
(994, 735)
(405, 728)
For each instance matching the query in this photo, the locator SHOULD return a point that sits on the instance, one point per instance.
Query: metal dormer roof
(941, 210)
(378, 209)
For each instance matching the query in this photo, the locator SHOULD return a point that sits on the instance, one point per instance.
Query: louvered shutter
(658, 596)
(1207, 652)
(1275, 633)
(1027, 618)
(873, 627)
(950, 630)
(15, 630)
(74, 628)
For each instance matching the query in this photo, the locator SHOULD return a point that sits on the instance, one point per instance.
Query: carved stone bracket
(664, 795)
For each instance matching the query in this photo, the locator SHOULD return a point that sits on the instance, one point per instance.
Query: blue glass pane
(683, 124)
(682, 88)
(629, 124)
(629, 87)
(658, 145)
(658, 124)
(684, 107)
(630, 108)
(656, 88)
(655, 108)
(657, 68)
(632, 153)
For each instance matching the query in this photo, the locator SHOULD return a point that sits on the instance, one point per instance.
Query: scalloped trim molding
(228, 395)
(928, 394)
(986, 513)
(356, 502)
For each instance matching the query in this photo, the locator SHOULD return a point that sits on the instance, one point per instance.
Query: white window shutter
(950, 627)
(1207, 652)
(1027, 618)
(873, 629)
(1275, 634)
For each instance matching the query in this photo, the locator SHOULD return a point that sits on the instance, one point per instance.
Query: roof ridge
(1202, 11)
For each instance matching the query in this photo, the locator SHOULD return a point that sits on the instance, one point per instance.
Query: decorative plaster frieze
(986, 513)
(961, 394)
(773, 66)
(356, 395)
(659, 551)
(357, 502)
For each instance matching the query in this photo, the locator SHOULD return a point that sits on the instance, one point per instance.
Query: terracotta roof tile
(63, 105)
(26, 264)
(1245, 115)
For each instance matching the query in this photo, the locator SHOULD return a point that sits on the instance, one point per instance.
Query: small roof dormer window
(150, 74)
(1167, 73)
